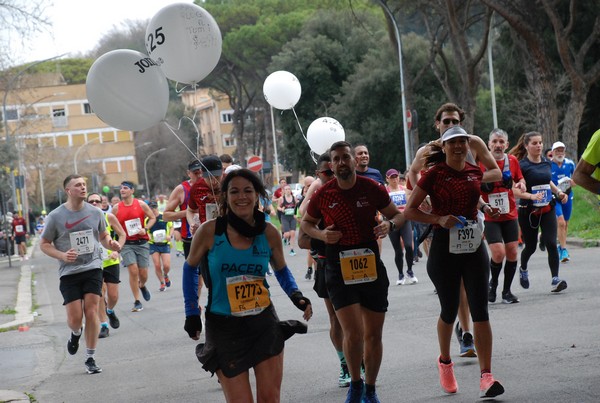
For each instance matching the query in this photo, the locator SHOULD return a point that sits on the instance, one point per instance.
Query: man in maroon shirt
(356, 278)
(19, 226)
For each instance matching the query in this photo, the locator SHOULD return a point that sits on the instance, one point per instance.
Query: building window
(12, 114)
(228, 140)
(227, 116)
(59, 117)
(87, 109)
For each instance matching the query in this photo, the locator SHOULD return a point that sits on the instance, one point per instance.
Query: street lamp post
(145, 168)
(81, 147)
(407, 153)
(275, 145)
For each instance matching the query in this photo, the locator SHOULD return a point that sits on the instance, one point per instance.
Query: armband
(286, 281)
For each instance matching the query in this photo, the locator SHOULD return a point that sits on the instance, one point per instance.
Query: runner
(317, 249)
(111, 265)
(403, 236)
(242, 331)
(501, 225)
(132, 214)
(160, 247)
(286, 205)
(356, 278)
(72, 235)
(19, 227)
(587, 171)
(450, 115)
(562, 171)
(536, 207)
(457, 253)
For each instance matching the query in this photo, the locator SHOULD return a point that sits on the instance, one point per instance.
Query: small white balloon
(185, 41)
(323, 132)
(282, 90)
(127, 90)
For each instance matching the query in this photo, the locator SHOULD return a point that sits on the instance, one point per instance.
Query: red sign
(255, 163)
(408, 119)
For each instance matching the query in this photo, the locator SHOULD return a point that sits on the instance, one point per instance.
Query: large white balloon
(282, 90)
(323, 132)
(127, 90)
(185, 41)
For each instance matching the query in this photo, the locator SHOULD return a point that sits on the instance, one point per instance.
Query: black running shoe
(145, 293)
(308, 275)
(509, 298)
(73, 344)
(492, 292)
(137, 306)
(113, 320)
(103, 332)
(91, 367)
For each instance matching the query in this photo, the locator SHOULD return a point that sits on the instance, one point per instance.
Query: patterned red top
(352, 211)
(452, 192)
(202, 194)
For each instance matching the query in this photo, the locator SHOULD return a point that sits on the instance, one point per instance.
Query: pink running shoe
(447, 379)
(489, 386)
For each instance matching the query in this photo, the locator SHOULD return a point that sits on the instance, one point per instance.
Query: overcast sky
(78, 25)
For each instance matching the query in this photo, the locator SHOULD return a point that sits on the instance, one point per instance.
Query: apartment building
(214, 117)
(57, 133)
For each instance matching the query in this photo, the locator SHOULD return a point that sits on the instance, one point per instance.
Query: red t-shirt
(452, 192)
(130, 213)
(352, 211)
(517, 175)
(19, 226)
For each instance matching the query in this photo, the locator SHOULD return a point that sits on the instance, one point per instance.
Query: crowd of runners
(469, 205)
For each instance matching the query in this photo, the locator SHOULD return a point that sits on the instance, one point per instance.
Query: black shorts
(236, 344)
(110, 274)
(74, 286)
(372, 295)
(501, 231)
(19, 239)
(320, 286)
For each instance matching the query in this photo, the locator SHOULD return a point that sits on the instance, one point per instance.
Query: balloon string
(205, 169)
(299, 126)
(185, 86)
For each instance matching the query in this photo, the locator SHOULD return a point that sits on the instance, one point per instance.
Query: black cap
(194, 165)
(212, 166)
(153, 204)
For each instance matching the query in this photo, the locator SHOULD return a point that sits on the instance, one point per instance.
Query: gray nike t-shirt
(79, 230)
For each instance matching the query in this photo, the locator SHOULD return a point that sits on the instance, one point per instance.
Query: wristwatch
(392, 226)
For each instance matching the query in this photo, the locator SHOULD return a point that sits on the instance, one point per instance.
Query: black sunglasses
(94, 201)
(447, 121)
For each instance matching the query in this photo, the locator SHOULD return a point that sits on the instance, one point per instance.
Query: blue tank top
(237, 285)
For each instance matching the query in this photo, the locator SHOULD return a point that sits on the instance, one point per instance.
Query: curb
(13, 396)
(583, 243)
(24, 315)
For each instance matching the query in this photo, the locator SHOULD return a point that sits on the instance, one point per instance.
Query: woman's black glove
(297, 298)
(193, 326)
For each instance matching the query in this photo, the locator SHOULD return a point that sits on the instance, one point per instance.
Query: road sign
(255, 163)
(408, 119)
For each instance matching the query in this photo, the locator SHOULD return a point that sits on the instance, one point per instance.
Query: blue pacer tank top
(237, 276)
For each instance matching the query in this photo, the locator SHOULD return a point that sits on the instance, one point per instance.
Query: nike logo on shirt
(69, 225)
(332, 205)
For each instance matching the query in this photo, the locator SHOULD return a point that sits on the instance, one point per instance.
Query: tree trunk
(572, 120)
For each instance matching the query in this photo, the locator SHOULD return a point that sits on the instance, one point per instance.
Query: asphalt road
(546, 348)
